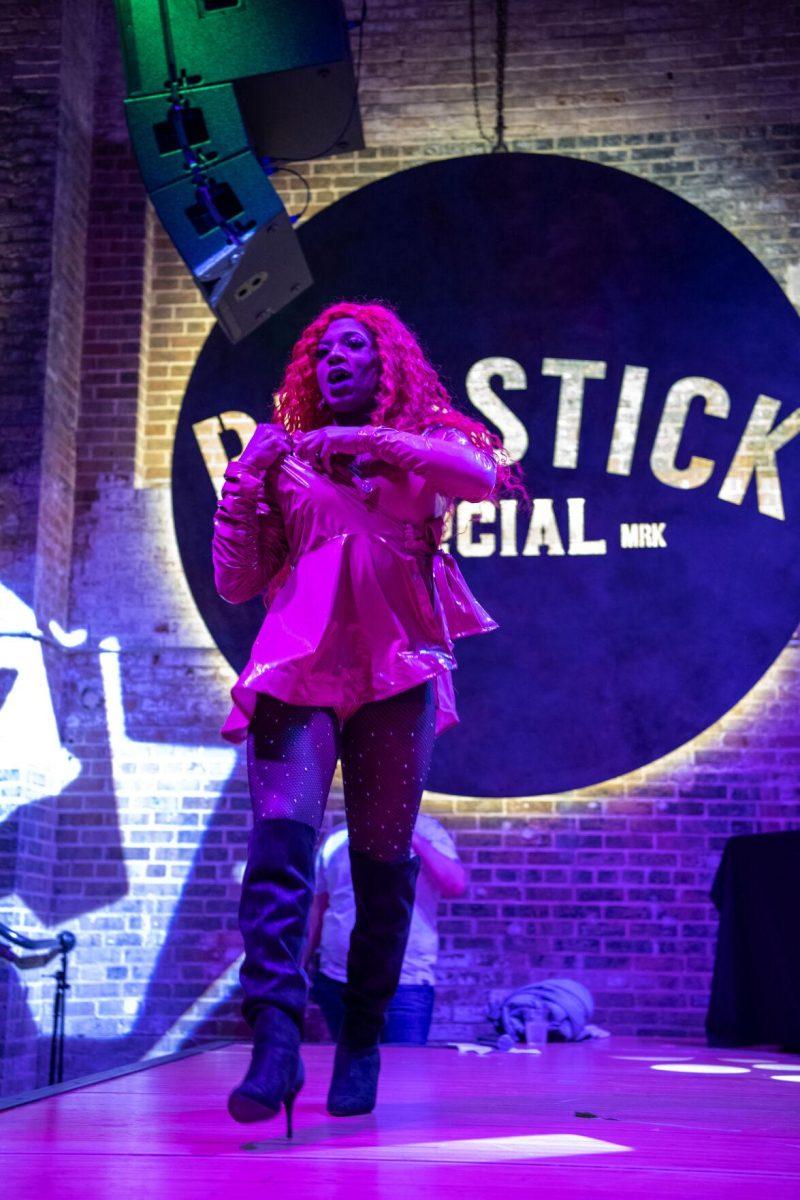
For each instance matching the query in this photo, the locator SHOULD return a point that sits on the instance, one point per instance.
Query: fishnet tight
(385, 747)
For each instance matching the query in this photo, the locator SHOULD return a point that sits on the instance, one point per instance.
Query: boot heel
(291, 1096)
(288, 1103)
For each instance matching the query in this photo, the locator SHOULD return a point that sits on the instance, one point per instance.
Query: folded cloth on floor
(565, 1004)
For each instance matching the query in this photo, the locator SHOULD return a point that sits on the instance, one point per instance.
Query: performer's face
(348, 366)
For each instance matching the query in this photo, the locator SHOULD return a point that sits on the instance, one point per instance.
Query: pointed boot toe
(276, 1073)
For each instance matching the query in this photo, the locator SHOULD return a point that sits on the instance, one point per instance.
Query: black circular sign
(644, 366)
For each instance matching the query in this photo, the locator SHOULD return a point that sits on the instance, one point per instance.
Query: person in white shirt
(408, 1018)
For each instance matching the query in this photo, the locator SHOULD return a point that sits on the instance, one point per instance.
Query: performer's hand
(319, 445)
(266, 444)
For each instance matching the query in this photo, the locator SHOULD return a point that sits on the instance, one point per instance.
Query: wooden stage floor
(589, 1120)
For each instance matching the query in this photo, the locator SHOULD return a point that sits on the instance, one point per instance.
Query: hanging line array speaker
(218, 90)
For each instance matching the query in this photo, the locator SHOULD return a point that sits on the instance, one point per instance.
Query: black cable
(270, 170)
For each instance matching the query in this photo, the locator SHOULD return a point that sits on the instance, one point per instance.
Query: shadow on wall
(94, 871)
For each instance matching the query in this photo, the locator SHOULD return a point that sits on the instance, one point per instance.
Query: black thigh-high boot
(384, 900)
(277, 888)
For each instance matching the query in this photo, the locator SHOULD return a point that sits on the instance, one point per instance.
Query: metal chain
(501, 41)
(473, 55)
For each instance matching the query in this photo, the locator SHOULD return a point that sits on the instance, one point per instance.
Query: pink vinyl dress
(371, 606)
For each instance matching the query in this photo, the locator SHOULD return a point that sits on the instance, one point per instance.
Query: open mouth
(338, 375)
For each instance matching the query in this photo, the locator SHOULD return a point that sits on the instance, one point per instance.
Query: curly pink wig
(410, 395)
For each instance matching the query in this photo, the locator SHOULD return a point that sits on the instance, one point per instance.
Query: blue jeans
(408, 1017)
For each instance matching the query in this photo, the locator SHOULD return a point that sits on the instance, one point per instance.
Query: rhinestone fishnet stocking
(385, 747)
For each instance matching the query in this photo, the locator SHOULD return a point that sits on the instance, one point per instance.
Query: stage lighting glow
(36, 764)
(786, 1078)
(660, 1058)
(470, 1150)
(75, 637)
(200, 1010)
(762, 1065)
(185, 771)
(700, 1068)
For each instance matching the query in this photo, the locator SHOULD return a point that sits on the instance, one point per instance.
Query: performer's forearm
(456, 469)
(249, 544)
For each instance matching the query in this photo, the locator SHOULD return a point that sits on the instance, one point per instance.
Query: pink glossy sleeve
(249, 544)
(444, 456)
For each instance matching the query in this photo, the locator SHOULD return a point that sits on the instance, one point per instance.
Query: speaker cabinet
(217, 90)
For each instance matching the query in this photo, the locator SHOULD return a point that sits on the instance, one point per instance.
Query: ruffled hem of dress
(245, 698)
(459, 612)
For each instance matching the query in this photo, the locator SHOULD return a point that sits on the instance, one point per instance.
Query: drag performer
(334, 512)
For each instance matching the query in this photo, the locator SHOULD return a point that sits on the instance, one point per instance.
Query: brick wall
(608, 885)
(44, 187)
